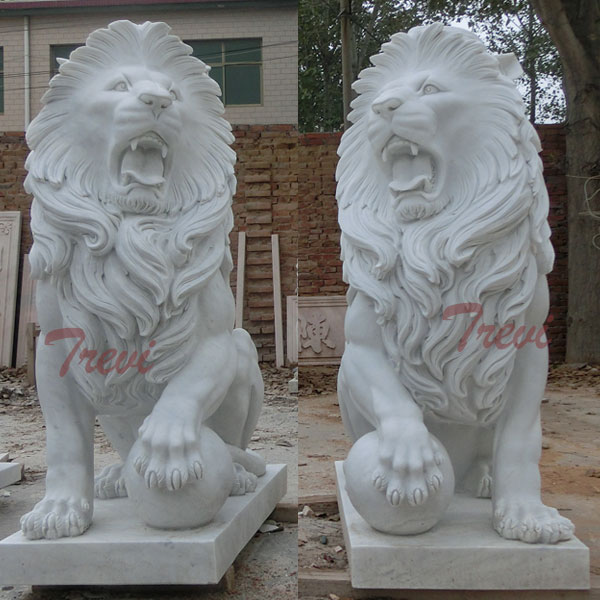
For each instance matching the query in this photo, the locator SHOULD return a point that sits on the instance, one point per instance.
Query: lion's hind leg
(478, 480)
(110, 483)
(236, 418)
(122, 433)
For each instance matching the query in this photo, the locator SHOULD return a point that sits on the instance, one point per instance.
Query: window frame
(53, 62)
(223, 64)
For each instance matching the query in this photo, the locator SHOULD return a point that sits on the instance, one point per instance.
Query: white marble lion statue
(445, 243)
(132, 177)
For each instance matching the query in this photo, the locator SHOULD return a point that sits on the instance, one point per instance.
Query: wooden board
(292, 329)
(277, 302)
(10, 237)
(27, 311)
(314, 583)
(239, 282)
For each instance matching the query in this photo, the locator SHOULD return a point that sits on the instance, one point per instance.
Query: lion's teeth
(414, 149)
(164, 151)
(428, 187)
(134, 145)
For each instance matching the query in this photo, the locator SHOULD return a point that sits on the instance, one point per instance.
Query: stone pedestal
(119, 549)
(462, 552)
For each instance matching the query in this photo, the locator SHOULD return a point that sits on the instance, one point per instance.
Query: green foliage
(512, 26)
(504, 25)
(320, 66)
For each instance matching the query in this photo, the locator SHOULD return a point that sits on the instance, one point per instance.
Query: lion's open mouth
(413, 168)
(143, 161)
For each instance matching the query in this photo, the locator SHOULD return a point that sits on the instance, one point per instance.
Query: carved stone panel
(10, 237)
(320, 330)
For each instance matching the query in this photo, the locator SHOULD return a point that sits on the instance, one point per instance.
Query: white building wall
(278, 29)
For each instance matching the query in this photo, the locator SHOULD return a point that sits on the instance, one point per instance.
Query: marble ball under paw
(372, 504)
(197, 502)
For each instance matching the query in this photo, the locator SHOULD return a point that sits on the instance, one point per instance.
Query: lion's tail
(250, 460)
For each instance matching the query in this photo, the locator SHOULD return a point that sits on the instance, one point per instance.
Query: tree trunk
(574, 26)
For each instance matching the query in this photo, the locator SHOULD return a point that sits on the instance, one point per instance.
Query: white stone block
(462, 552)
(9, 473)
(119, 549)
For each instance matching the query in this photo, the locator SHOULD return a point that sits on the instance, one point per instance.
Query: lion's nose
(157, 101)
(386, 106)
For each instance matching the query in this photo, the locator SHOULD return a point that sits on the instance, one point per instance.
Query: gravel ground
(266, 568)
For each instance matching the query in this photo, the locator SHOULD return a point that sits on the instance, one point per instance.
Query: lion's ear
(509, 65)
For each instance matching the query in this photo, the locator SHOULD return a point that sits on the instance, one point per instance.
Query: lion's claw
(478, 479)
(419, 497)
(244, 482)
(435, 483)
(408, 463)
(531, 521)
(395, 498)
(56, 518)
(169, 453)
(110, 483)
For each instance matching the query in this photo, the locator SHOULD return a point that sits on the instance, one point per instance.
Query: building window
(236, 65)
(60, 51)
(1, 80)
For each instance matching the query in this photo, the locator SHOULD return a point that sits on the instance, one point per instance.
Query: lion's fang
(164, 151)
(414, 149)
(134, 144)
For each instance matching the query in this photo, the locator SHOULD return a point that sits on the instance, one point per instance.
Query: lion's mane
(486, 246)
(131, 277)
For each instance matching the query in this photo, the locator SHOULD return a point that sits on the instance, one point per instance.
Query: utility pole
(346, 24)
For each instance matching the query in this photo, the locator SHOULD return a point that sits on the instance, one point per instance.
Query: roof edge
(73, 6)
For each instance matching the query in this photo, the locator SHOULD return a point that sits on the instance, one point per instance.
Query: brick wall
(320, 268)
(553, 156)
(13, 152)
(265, 204)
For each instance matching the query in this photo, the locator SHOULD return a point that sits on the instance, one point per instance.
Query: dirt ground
(570, 463)
(266, 568)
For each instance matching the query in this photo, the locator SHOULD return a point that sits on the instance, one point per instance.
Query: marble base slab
(119, 549)
(462, 552)
(9, 473)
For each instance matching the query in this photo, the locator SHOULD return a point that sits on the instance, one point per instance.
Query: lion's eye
(121, 86)
(174, 94)
(430, 89)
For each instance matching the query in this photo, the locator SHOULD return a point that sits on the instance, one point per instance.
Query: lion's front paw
(409, 460)
(169, 453)
(531, 521)
(244, 482)
(56, 518)
(478, 480)
(110, 483)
